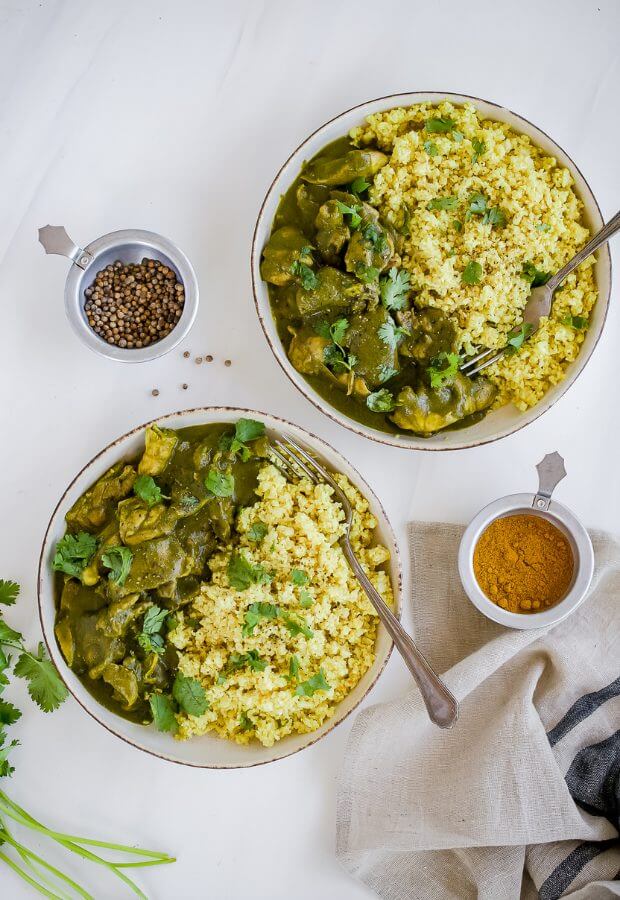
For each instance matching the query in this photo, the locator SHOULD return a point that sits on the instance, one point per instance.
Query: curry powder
(523, 563)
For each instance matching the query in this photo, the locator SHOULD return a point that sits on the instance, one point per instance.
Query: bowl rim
(156, 243)
(55, 654)
(562, 518)
(327, 409)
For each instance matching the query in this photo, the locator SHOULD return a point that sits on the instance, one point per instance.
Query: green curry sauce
(169, 537)
(346, 313)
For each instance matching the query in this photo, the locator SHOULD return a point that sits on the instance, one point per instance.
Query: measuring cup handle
(551, 471)
(55, 240)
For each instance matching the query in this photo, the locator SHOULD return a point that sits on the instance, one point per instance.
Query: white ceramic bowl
(566, 522)
(500, 422)
(207, 751)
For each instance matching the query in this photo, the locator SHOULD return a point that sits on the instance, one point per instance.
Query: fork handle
(441, 704)
(593, 244)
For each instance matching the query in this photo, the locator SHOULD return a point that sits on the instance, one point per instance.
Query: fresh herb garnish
(441, 125)
(443, 203)
(391, 334)
(394, 288)
(163, 712)
(8, 592)
(579, 323)
(293, 667)
(352, 211)
(299, 577)
(246, 430)
(335, 355)
(472, 273)
(146, 489)
(257, 611)
(150, 638)
(237, 661)
(516, 341)
(431, 148)
(381, 401)
(543, 227)
(495, 217)
(245, 722)
(386, 372)
(359, 186)
(190, 695)
(443, 368)
(118, 560)
(74, 552)
(297, 626)
(309, 279)
(375, 236)
(318, 682)
(242, 573)
(220, 484)
(479, 148)
(457, 135)
(188, 502)
(458, 226)
(257, 531)
(535, 276)
(367, 274)
(306, 600)
(477, 205)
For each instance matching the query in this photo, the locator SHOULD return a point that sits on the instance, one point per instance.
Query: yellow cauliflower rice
(543, 227)
(278, 655)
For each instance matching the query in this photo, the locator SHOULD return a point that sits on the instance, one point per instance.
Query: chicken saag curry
(137, 549)
(346, 310)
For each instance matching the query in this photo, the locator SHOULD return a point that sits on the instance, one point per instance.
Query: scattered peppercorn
(208, 358)
(155, 392)
(198, 360)
(227, 362)
(186, 354)
(132, 305)
(185, 386)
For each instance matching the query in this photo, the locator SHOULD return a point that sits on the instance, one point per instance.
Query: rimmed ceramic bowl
(207, 751)
(566, 522)
(498, 423)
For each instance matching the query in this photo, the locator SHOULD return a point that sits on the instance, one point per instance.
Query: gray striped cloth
(521, 799)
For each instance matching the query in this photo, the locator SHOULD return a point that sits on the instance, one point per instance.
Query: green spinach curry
(347, 313)
(137, 549)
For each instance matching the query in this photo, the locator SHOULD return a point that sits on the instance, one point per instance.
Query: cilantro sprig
(118, 559)
(242, 573)
(394, 289)
(335, 355)
(150, 638)
(381, 401)
(48, 692)
(535, 276)
(391, 333)
(308, 688)
(353, 211)
(146, 488)
(443, 368)
(74, 552)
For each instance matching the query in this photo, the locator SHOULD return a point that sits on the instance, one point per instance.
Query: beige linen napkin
(521, 798)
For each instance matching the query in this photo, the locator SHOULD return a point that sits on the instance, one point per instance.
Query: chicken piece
(371, 246)
(425, 410)
(310, 198)
(154, 562)
(432, 333)
(159, 444)
(354, 164)
(375, 358)
(335, 292)
(140, 522)
(307, 351)
(282, 250)
(332, 231)
(124, 683)
(97, 505)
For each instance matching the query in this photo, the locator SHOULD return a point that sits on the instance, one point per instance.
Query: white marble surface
(174, 116)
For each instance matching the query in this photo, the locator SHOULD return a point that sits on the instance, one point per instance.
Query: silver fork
(440, 703)
(541, 299)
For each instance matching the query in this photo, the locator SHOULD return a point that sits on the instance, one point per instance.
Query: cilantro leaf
(242, 573)
(293, 666)
(238, 661)
(245, 430)
(359, 186)
(298, 626)
(309, 279)
(431, 148)
(299, 577)
(394, 288)
(188, 502)
(306, 600)
(318, 682)
(338, 330)
(257, 531)
(479, 148)
(352, 211)
(8, 713)
(74, 552)
(457, 135)
(472, 273)
(335, 355)
(190, 695)
(535, 276)
(443, 368)
(257, 611)
(579, 323)
(375, 236)
(146, 489)
(477, 205)
(443, 203)
(8, 634)
(44, 683)
(163, 711)
(391, 334)
(8, 592)
(495, 217)
(245, 722)
(367, 274)
(118, 560)
(220, 484)
(441, 125)
(521, 334)
(386, 372)
(150, 638)
(381, 401)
